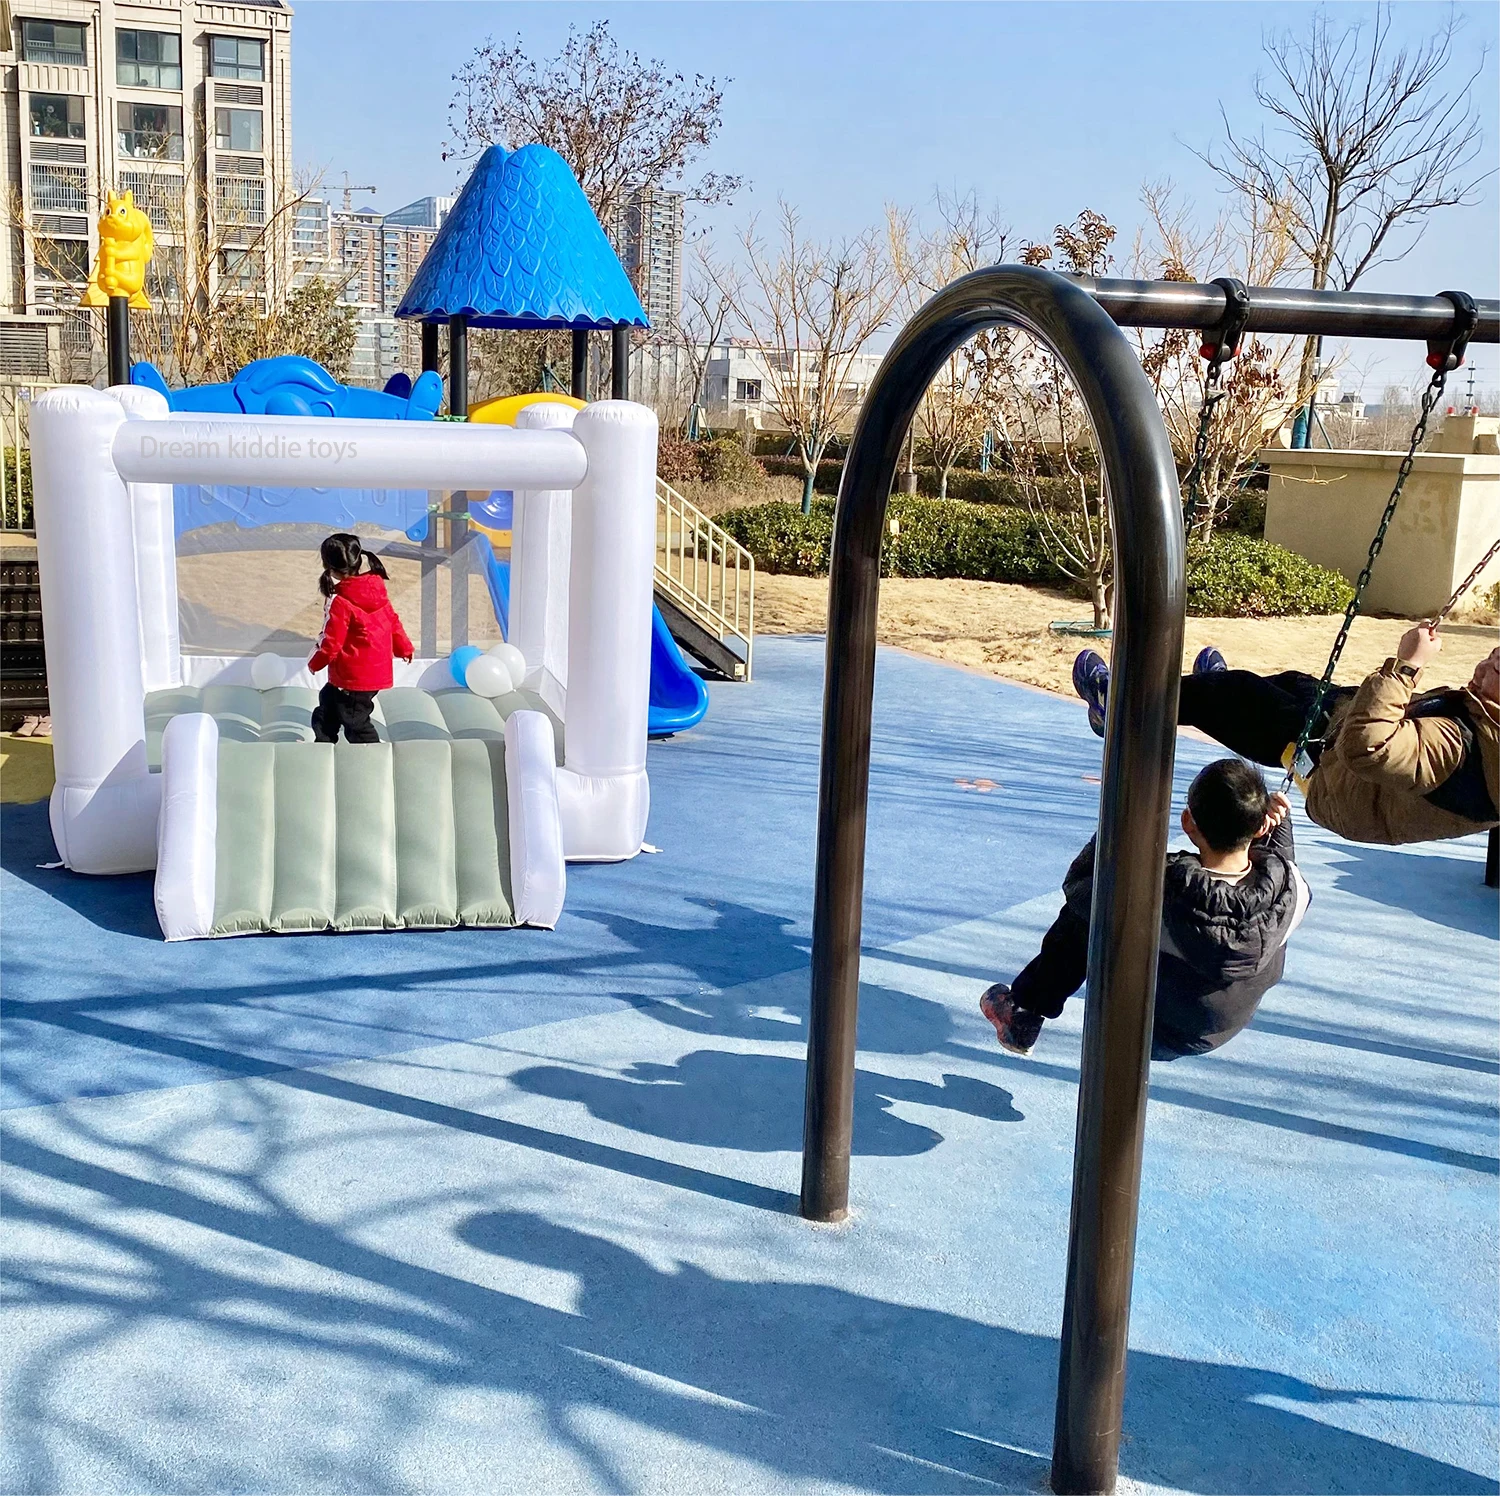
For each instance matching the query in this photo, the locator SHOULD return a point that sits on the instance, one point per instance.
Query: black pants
(1058, 970)
(350, 710)
(1253, 715)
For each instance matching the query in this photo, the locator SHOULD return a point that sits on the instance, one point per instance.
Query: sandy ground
(1001, 629)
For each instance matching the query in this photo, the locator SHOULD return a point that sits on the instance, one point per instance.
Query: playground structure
(1079, 320)
(105, 465)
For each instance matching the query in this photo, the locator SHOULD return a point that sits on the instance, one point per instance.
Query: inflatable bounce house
(178, 553)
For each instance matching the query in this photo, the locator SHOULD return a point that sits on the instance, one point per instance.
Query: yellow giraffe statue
(125, 246)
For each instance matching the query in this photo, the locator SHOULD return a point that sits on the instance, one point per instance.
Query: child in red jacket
(361, 635)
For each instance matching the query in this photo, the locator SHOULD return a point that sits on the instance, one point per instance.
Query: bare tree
(224, 284)
(1049, 443)
(958, 406)
(810, 308)
(707, 311)
(1369, 138)
(621, 121)
(1250, 241)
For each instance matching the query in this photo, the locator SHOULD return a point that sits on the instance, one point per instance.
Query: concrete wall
(1326, 506)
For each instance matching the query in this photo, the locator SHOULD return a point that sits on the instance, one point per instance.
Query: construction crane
(349, 189)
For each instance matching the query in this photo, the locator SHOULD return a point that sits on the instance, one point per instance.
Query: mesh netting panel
(247, 575)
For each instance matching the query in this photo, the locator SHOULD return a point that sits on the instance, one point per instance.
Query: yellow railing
(705, 570)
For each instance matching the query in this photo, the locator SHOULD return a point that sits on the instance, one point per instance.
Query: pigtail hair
(326, 583)
(376, 565)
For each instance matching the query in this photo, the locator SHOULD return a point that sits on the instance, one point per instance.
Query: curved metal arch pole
(1134, 802)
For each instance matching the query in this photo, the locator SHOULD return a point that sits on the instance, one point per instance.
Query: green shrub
(1237, 576)
(722, 461)
(933, 538)
(725, 462)
(17, 489)
(1229, 576)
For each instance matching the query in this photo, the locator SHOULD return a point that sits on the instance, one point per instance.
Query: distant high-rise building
(648, 238)
(184, 103)
(376, 255)
(425, 213)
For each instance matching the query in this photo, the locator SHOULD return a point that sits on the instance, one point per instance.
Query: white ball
(267, 671)
(511, 658)
(488, 676)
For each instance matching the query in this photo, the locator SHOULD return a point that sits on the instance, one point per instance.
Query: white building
(185, 103)
(739, 381)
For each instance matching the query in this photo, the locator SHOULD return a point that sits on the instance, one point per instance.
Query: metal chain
(1301, 765)
(1213, 392)
(1467, 582)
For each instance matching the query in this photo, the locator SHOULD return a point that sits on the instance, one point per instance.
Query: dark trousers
(1253, 715)
(1058, 970)
(350, 710)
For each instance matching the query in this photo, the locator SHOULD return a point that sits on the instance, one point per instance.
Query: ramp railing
(705, 571)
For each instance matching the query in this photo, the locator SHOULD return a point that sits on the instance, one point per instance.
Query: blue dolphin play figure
(291, 385)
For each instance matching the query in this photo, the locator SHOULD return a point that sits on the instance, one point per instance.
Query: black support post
(1145, 508)
(619, 363)
(118, 339)
(431, 359)
(1492, 859)
(580, 363)
(458, 366)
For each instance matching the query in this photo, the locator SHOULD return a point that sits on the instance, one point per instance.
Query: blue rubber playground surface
(514, 1212)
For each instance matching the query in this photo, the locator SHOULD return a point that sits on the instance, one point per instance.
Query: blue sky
(1042, 108)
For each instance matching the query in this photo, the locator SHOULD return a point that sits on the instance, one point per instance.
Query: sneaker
(1016, 1028)
(1209, 662)
(43, 728)
(1091, 681)
(26, 728)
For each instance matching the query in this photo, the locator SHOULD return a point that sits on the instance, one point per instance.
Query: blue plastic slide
(678, 696)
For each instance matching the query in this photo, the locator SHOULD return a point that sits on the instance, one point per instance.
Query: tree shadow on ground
(753, 1102)
(228, 1339)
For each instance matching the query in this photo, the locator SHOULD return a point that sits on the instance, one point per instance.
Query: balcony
(59, 189)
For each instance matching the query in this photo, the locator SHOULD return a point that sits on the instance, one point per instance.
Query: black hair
(1228, 802)
(343, 553)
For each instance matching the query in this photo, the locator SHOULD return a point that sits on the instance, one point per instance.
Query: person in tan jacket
(1399, 765)
(1395, 764)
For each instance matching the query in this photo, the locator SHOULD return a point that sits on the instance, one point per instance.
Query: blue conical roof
(522, 248)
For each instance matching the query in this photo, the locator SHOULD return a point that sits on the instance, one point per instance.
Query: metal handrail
(1141, 482)
(704, 569)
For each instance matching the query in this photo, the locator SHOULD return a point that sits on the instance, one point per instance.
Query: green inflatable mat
(406, 835)
(284, 714)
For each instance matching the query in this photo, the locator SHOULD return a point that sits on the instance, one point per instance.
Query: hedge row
(1233, 576)
(967, 485)
(723, 461)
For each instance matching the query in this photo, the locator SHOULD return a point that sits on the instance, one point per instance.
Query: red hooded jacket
(361, 635)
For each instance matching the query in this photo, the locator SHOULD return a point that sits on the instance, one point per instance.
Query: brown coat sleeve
(1379, 742)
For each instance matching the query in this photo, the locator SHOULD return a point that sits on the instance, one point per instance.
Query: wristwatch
(1406, 668)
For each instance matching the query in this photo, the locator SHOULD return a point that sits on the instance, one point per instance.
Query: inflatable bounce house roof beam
(311, 451)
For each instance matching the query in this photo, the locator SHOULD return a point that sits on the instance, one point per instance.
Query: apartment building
(374, 255)
(185, 103)
(648, 238)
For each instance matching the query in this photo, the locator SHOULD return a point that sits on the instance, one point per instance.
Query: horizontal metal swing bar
(1282, 309)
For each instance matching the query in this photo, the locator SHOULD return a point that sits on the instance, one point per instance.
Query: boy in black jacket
(1227, 913)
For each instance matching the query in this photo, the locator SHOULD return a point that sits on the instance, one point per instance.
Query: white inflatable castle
(467, 810)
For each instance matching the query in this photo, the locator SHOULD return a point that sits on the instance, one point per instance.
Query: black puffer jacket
(1223, 943)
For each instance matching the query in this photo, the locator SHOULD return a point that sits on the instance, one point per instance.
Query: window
(59, 116)
(240, 268)
(62, 260)
(153, 131)
(237, 129)
(59, 189)
(148, 59)
(53, 41)
(747, 389)
(237, 57)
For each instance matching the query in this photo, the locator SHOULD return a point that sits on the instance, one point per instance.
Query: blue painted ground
(513, 1211)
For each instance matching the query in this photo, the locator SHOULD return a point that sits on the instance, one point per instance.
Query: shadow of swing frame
(1079, 320)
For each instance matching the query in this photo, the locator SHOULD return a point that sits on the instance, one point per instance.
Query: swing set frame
(1079, 319)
